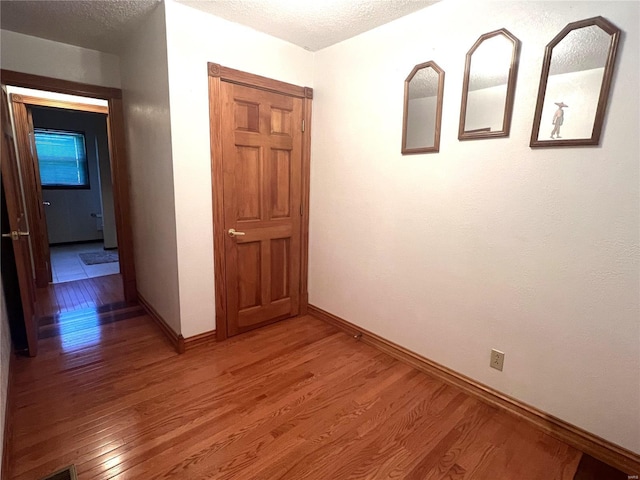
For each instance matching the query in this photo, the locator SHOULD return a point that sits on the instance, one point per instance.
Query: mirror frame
(605, 88)
(438, 123)
(511, 88)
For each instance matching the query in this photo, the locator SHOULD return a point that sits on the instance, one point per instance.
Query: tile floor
(66, 265)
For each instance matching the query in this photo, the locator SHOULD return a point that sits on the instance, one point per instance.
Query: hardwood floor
(295, 400)
(87, 293)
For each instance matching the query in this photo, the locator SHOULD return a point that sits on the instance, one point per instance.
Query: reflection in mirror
(423, 90)
(575, 82)
(489, 84)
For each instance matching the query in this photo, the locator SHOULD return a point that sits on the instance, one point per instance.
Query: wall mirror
(423, 91)
(489, 85)
(574, 85)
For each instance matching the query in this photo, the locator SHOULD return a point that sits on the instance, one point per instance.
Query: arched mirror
(423, 91)
(574, 86)
(489, 85)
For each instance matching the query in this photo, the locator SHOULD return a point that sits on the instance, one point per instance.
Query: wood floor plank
(208, 444)
(86, 293)
(293, 400)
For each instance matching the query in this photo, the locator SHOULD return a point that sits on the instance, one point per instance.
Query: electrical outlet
(497, 359)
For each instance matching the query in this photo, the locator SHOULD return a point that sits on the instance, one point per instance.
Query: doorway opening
(75, 235)
(72, 153)
(109, 224)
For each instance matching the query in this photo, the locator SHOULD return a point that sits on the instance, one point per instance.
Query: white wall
(37, 56)
(488, 244)
(193, 40)
(148, 133)
(69, 217)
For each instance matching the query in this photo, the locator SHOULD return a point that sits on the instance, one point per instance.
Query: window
(63, 159)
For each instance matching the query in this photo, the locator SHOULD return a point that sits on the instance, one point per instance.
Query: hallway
(297, 399)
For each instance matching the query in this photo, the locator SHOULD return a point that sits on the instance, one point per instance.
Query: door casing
(217, 74)
(118, 158)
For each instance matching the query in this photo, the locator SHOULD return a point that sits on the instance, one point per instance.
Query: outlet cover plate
(497, 359)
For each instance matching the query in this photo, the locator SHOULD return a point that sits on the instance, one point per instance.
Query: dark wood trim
(8, 427)
(217, 183)
(257, 81)
(511, 89)
(213, 69)
(405, 116)
(589, 443)
(117, 151)
(177, 340)
(47, 102)
(306, 187)
(217, 73)
(605, 88)
(202, 338)
(27, 80)
(121, 197)
(590, 468)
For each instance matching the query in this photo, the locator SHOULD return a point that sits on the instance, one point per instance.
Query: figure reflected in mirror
(558, 118)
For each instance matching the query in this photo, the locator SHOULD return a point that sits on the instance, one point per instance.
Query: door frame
(217, 74)
(117, 154)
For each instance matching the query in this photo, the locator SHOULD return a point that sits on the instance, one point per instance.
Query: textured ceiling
(104, 24)
(97, 24)
(582, 49)
(311, 24)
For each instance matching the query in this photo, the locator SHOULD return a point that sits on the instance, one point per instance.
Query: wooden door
(17, 232)
(262, 165)
(33, 190)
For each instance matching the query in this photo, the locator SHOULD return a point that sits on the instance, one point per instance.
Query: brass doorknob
(232, 233)
(15, 235)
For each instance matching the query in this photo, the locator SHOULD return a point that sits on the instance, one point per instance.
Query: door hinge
(301, 210)
(303, 125)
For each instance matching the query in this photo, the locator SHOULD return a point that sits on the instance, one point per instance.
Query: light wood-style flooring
(86, 293)
(295, 400)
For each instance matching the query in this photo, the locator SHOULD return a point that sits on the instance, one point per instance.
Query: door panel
(18, 224)
(280, 166)
(249, 280)
(262, 164)
(33, 190)
(280, 255)
(249, 180)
